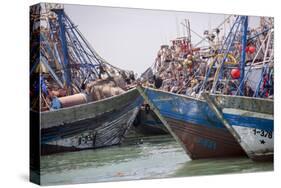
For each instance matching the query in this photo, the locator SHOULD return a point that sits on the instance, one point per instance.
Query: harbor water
(143, 158)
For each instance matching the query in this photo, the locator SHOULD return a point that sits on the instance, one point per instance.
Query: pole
(243, 53)
(66, 64)
(189, 35)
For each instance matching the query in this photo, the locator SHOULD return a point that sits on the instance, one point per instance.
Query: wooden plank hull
(93, 125)
(251, 119)
(195, 125)
(205, 142)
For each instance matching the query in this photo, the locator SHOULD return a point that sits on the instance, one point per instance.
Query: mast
(243, 53)
(189, 34)
(66, 64)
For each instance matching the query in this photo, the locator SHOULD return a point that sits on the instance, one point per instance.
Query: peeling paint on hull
(195, 125)
(204, 142)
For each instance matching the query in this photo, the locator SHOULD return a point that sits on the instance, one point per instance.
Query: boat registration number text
(262, 133)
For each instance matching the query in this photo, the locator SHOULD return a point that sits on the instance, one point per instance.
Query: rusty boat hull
(193, 124)
(89, 126)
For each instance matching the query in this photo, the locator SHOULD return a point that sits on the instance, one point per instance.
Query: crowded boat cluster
(184, 69)
(214, 97)
(217, 100)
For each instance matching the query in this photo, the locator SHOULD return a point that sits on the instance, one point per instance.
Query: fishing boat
(92, 125)
(248, 112)
(78, 100)
(193, 124)
(239, 76)
(249, 120)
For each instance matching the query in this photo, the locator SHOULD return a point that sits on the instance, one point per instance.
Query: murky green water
(156, 157)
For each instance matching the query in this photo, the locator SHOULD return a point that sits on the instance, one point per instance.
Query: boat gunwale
(109, 106)
(216, 95)
(176, 94)
(89, 103)
(242, 97)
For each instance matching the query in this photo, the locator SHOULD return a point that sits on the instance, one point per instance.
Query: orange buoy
(235, 73)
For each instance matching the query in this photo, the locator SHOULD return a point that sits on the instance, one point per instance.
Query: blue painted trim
(199, 113)
(250, 122)
(193, 111)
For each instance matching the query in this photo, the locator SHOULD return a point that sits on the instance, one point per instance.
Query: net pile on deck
(66, 63)
(240, 63)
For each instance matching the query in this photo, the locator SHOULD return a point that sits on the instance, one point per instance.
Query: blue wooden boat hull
(195, 125)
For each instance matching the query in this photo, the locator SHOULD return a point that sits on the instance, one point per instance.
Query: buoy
(235, 73)
(252, 49)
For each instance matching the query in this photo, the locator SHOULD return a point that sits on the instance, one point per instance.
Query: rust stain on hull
(203, 142)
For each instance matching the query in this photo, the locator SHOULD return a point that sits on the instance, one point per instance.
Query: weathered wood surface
(245, 103)
(193, 124)
(99, 132)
